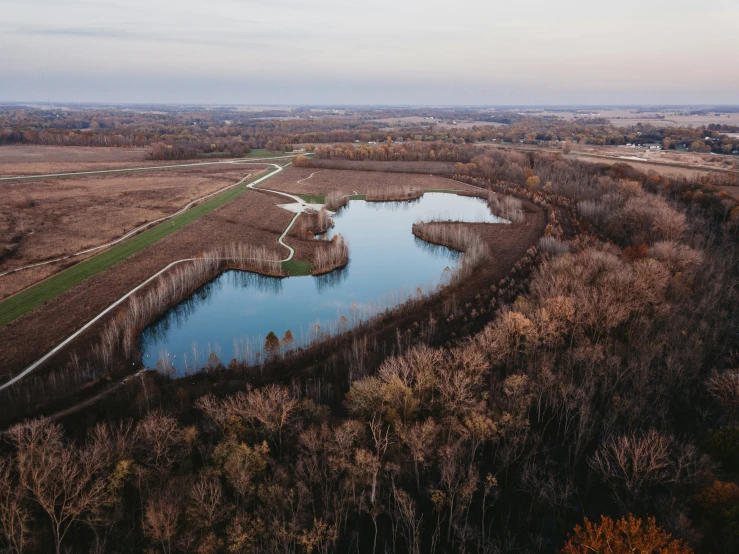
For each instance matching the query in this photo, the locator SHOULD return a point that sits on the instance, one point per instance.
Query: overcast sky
(376, 52)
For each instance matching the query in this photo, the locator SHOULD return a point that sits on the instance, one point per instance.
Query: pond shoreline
(397, 210)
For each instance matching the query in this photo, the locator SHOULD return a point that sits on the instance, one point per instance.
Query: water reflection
(394, 205)
(261, 283)
(334, 279)
(437, 250)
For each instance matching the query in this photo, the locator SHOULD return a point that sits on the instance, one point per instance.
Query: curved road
(145, 168)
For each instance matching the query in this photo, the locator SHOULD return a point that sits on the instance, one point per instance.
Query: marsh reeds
(393, 194)
(332, 256)
(457, 237)
(172, 287)
(336, 199)
(507, 207)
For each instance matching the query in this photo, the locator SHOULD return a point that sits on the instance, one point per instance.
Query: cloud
(335, 51)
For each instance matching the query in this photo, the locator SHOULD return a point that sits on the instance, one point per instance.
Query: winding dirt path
(35, 365)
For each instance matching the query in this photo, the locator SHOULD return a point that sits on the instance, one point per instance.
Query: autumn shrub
(301, 161)
(627, 535)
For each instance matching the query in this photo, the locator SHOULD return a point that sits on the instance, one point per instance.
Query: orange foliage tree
(629, 534)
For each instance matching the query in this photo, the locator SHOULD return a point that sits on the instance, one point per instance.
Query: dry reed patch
(457, 236)
(46, 219)
(315, 222)
(507, 207)
(393, 193)
(331, 255)
(323, 221)
(336, 199)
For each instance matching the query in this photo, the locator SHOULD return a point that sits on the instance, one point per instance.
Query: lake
(232, 314)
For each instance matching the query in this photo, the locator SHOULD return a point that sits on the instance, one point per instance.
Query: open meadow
(36, 159)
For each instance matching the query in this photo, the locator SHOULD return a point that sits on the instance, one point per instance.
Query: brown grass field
(326, 180)
(48, 218)
(437, 168)
(252, 218)
(627, 117)
(35, 160)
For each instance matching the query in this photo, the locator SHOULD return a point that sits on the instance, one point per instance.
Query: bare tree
(207, 502)
(162, 516)
(69, 483)
(160, 441)
(632, 464)
(14, 514)
(724, 388)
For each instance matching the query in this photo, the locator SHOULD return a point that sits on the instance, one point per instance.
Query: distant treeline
(193, 133)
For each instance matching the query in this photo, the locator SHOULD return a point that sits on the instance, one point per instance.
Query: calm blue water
(232, 314)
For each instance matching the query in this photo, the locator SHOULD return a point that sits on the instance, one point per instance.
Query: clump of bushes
(301, 161)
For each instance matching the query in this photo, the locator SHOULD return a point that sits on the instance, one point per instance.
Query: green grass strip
(37, 295)
(297, 268)
(313, 198)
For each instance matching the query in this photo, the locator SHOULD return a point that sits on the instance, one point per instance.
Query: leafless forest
(586, 402)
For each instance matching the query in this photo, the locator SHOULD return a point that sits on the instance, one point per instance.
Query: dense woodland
(586, 403)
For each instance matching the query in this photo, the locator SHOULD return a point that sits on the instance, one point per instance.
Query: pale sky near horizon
(381, 52)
